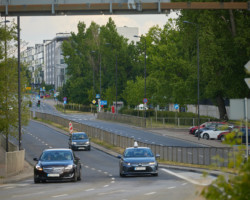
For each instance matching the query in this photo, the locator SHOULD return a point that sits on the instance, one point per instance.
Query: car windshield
(138, 153)
(56, 155)
(79, 137)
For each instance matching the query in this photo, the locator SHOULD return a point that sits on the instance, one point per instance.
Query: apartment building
(55, 67)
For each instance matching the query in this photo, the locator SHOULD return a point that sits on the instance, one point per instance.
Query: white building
(34, 58)
(129, 33)
(55, 67)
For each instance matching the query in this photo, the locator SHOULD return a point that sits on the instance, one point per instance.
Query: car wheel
(222, 138)
(36, 180)
(206, 136)
(75, 177)
(80, 176)
(122, 175)
(89, 148)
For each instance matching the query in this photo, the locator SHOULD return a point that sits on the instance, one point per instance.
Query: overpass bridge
(100, 7)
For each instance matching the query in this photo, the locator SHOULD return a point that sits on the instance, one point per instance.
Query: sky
(36, 29)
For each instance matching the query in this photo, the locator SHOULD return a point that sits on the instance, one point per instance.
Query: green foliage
(9, 86)
(233, 186)
(88, 54)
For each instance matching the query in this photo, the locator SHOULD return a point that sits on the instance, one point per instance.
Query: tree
(8, 88)
(224, 49)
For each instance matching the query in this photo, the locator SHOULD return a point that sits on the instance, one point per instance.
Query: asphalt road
(100, 176)
(121, 129)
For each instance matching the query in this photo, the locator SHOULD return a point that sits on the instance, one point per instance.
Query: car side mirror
(77, 158)
(35, 159)
(119, 156)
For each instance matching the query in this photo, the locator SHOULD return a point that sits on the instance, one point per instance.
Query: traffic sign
(247, 80)
(97, 96)
(176, 106)
(104, 102)
(145, 100)
(64, 98)
(94, 101)
(247, 67)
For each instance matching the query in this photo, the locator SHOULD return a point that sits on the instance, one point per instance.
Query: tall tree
(224, 49)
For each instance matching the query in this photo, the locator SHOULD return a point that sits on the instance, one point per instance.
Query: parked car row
(219, 130)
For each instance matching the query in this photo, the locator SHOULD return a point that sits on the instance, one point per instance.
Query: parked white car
(212, 134)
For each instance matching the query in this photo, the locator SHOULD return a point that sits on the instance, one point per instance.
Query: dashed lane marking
(61, 195)
(150, 193)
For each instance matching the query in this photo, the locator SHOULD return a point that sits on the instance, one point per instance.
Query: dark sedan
(57, 164)
(79, 141)
(137, 161)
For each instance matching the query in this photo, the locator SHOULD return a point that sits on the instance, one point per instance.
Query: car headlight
(69, 167)
(73, 143)
(39, 168)
(152, 163)
(127, 163)
(87, 142)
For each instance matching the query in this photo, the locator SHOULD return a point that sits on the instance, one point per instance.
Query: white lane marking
(171, 187)
(92, 168)
(185, 178)
(184, 184)
(88, 190)
(8, 188)
(105, 185)
(111, 192)
(61, 195)
(150, 193)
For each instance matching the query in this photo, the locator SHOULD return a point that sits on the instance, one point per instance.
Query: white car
(211, 134)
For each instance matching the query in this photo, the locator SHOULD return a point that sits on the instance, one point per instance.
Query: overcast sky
(36, 29)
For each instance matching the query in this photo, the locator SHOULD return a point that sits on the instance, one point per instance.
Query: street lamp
(145, 72)
(115, 79)
(100, 63)
(198, 73)
(19, 83)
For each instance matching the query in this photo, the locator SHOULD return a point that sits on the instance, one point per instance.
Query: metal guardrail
(219, 156)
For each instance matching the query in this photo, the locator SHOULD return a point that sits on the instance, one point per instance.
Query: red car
(206, 124)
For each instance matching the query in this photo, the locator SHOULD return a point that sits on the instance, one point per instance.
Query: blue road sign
(145, 100)
(176, 106)
(104, 102)
(97, 96)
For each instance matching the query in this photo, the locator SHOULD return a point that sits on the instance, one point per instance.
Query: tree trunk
(232, 21)
(222, 108)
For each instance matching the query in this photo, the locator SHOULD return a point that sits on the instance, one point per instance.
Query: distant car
(138, 161)
(79, 141)
(57, 164)
(193, 129)
(213, 134)
(239, 133)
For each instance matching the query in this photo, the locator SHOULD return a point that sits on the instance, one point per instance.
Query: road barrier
(11, 162)
(218, 156)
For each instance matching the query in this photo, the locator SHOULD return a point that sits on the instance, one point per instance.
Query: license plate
(140, 168)
(81, 148)
(53, 175)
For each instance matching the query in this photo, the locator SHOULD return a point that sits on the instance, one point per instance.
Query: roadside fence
(219, 156)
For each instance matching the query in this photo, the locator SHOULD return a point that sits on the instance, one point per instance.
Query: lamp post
(198, 73)
(100, 63)
(145, 72)
(19, 84)
(115, 79)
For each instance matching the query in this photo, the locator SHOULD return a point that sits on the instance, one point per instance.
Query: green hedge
(161, 114)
